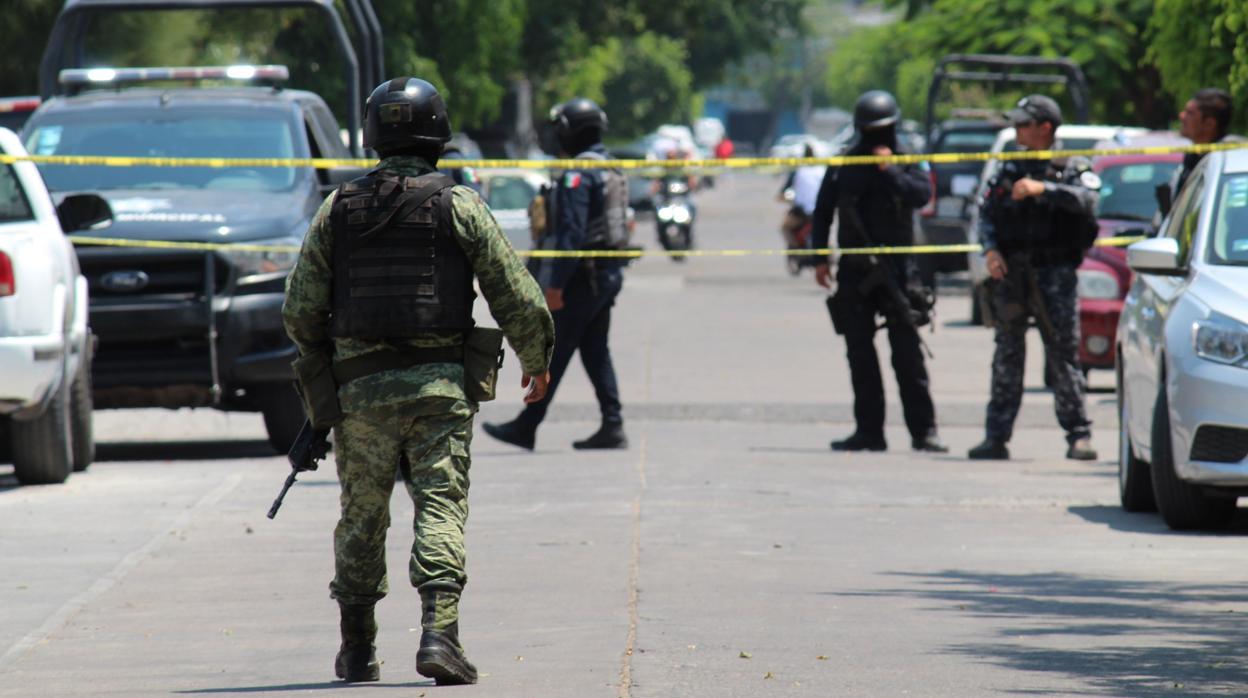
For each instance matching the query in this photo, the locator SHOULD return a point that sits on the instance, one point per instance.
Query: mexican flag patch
(572, 180)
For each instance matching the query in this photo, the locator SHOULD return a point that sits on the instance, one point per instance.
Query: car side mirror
(82, 212)
(1155, 256)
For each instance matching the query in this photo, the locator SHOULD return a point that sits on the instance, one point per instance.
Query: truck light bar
(19, 104)
(87, 77)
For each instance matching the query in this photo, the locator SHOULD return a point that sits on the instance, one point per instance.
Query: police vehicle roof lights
(81, 78)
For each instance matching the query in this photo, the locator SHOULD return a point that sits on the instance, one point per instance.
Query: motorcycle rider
(877, 205)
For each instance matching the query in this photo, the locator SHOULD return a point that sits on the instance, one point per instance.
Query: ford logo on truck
(125, 281)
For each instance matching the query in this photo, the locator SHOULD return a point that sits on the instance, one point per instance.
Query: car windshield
(1229, 243)
(167, 134)
(967, 142)
(1128, 191)
(509, 193)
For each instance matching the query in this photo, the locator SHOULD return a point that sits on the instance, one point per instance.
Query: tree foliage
(1202, 43)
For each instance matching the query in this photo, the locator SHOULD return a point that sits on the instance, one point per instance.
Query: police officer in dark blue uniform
(877, 205)
(1037, 219)
(586, 210)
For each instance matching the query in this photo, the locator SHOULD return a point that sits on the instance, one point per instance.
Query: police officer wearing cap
(1037, 219)
(381, 300)
(877, 205)
(586, 210)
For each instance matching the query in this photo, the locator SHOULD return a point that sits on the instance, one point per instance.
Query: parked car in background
(1069, 137)
(45, 342)
(15, 110)
(1182, 347)
(192, 327)
(508, 194)
(1126, 208)
(955, 185)
(794, 145)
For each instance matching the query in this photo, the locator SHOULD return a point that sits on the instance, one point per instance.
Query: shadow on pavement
(1117, 637)
(1118, 519)
(184, 450)
(323, 686)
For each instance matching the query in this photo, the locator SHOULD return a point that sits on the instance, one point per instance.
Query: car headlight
(264, 257)
(1221, 341)
(1098, 285)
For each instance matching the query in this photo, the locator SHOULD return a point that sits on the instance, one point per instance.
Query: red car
(1127, 206)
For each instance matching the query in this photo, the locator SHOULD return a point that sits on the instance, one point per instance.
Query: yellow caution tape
(572, 164)
(594, 254)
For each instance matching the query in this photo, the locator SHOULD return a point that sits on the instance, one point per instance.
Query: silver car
(1182, 348)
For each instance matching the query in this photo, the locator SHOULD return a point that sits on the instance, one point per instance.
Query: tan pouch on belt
(483, 356)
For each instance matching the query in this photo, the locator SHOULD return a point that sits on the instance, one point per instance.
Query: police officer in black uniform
(877, 205)
(586, 211)
(1037, 219)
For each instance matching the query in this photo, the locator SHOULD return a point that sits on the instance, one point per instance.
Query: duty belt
(392, 359)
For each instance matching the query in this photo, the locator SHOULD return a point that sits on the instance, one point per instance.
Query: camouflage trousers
(1049, 294)
(427, 441)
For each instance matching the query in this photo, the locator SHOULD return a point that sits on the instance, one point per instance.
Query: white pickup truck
(45, 344)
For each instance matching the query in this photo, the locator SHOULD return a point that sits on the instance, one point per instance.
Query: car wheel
(283, 415)
(81, 413)
(43, 446)
(1182, 505)
(1135, 485)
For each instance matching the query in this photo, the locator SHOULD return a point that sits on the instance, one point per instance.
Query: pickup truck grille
(124, 274)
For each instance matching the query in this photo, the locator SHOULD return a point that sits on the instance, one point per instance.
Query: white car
(1182, 349)
(1070, 137)
(793, 145)
(45, 345)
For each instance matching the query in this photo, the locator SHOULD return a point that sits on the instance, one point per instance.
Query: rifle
(311, 445)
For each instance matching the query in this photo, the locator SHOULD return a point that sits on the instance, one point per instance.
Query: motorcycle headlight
(664, 213)
(1221, 341)
(680, 215)
(1096, 284)
(264, 257)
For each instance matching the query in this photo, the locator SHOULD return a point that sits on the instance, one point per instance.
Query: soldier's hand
(537, 387)
(823, 275)
(996, 264)
(884, 151)
(554, 299)
(1026, 187)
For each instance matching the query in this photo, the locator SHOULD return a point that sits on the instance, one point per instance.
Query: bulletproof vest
(398, 270)
(1033, 226)
(607, 227)
(888, 220)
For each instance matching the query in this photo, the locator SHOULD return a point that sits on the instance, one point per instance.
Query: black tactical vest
(1039, 229)
(398, 270)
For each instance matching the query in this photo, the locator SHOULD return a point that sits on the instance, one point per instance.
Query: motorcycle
(674, 214)
(795, 229)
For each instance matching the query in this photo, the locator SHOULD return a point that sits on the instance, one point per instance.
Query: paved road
(726, 553)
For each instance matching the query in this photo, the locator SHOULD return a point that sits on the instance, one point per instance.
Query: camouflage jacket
(515, 300)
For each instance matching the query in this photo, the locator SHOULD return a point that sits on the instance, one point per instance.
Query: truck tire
(283, 415)
(1183, 506)
(1135, 485)
(43, 446)
(81, 411)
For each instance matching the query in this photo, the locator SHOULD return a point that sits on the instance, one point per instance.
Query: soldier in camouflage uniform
(385, 273)
(1037, 220)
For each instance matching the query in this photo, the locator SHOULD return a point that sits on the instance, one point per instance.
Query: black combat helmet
(875, 109)
(579, 123)
(406, 113)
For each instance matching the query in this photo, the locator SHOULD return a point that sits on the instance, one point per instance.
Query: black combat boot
(357, 657)
(929, 442)
(441, 657)
(609, 435)
(513, 433)
(858, 441)
(1081, 449)
(990, 449)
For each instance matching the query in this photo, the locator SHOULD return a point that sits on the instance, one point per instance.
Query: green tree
(1201, 43)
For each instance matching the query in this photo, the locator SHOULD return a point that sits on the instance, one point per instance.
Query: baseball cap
(1035, 108)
